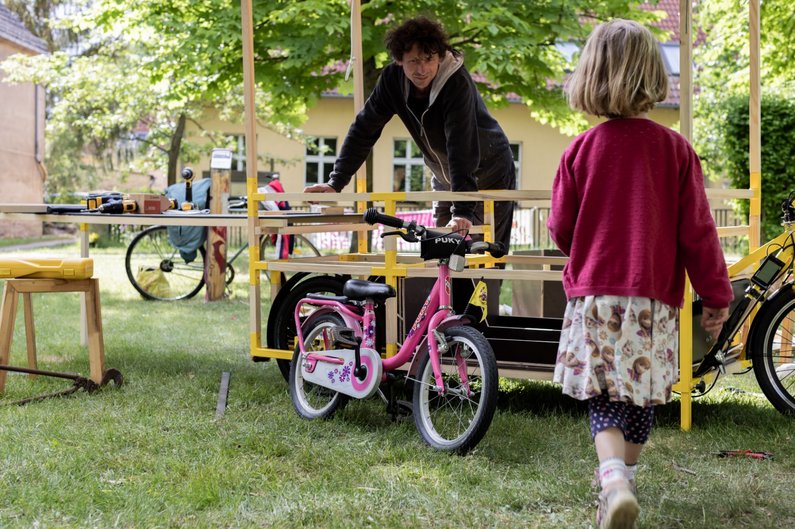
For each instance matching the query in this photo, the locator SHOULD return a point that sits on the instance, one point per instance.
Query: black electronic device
(767, 272)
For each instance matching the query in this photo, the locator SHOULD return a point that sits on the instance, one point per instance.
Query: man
(428, 87)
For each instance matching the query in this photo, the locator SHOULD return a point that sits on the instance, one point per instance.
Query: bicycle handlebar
(496, 249)
(373, 216)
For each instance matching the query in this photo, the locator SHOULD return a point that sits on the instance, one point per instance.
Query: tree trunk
(174, 148)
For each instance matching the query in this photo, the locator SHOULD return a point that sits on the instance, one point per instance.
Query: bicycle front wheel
(773, 350)
(157, 270)
(455, 418)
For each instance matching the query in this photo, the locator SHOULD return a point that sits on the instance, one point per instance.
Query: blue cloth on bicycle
(188, 239)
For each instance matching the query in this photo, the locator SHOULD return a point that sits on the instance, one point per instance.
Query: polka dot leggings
(634, 421)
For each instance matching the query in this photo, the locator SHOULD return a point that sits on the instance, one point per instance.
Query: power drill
(122, 205)
(188, 205)
(94, 200)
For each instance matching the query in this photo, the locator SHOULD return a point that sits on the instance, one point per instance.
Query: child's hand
(712, 320)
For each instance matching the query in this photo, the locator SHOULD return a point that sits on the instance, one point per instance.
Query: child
(630, 211)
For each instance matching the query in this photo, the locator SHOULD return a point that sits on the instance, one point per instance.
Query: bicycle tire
(151, 251)
(310, 400)
(456, 420)
(282, 315)
(773, 350)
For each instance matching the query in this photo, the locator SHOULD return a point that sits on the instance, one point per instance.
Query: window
(409, 171)
(321, 153)
(516, 150)
(670, 53)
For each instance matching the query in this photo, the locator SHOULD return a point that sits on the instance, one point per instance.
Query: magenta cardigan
(630, 211)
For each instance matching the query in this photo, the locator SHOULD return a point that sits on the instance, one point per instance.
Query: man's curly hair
(428, 35)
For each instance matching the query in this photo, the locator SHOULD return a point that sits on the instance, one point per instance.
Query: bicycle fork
(437, 343)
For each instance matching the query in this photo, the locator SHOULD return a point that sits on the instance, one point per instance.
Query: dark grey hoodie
(465, 148)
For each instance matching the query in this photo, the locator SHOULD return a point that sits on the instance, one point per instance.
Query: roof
(671, 22)
(13, 30)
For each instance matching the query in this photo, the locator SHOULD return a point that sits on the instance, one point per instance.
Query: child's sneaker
(595, 483)
(618, 509)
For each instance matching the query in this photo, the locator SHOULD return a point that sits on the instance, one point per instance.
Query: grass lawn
(151, 454)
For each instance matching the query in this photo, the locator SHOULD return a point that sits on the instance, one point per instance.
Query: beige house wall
(21, 147)
(541, 145)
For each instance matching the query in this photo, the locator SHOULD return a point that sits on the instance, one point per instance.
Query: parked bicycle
(158, 271)
(452, 367)
(764, 297)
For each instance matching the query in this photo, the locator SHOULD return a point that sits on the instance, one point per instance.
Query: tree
(164, 61)
(723, 69)
(721, 109)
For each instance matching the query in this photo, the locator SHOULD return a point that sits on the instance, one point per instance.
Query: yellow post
(390, 263)
(754, 128)
(358, 104)
(251, 173)
(685, 384)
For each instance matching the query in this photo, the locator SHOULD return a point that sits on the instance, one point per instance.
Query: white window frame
(409, 161)
(319, 159)
(517, 162)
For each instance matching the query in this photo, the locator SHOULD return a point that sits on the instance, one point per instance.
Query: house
(22, 134)
(397, 163)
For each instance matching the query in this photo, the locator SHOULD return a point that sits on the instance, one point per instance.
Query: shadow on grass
(723, 407)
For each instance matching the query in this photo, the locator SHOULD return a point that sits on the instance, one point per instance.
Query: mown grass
(152, 454)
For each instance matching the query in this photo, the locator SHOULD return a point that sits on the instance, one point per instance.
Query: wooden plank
(30, 331)
(215, 259)
(96, 343)
(7, 317)
(23, 208)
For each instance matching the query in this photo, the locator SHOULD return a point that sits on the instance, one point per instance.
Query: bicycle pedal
(400, 410)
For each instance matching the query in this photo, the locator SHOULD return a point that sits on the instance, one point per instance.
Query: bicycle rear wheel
(310, 400)
(457, 418)
(157, 270)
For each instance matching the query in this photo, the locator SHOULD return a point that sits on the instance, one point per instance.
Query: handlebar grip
(372, 216)
(496, 249)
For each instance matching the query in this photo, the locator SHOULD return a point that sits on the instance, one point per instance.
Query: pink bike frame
(437, 306)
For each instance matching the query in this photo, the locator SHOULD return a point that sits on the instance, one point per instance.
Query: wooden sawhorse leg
(91, 305)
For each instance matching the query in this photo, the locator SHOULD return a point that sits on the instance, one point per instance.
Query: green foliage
(160, 63)
(724, 56)
(729, 155)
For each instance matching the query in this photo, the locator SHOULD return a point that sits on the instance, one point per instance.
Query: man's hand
(319, 188)
(712, 320)
(460, 225)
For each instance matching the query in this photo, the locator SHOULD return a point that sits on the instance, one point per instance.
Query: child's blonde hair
(621, 72)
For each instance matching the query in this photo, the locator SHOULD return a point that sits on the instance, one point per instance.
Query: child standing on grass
(630, 211)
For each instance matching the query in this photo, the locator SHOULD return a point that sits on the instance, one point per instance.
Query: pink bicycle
(452, 367)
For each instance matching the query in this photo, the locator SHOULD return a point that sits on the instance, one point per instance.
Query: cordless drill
(188, 205)
(122, 205)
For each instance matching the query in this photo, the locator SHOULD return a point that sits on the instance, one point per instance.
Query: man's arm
(362, 135)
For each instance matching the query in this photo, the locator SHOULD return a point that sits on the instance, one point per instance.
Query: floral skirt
(624, 346)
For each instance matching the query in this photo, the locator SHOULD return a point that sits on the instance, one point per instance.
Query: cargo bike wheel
(773, 350)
